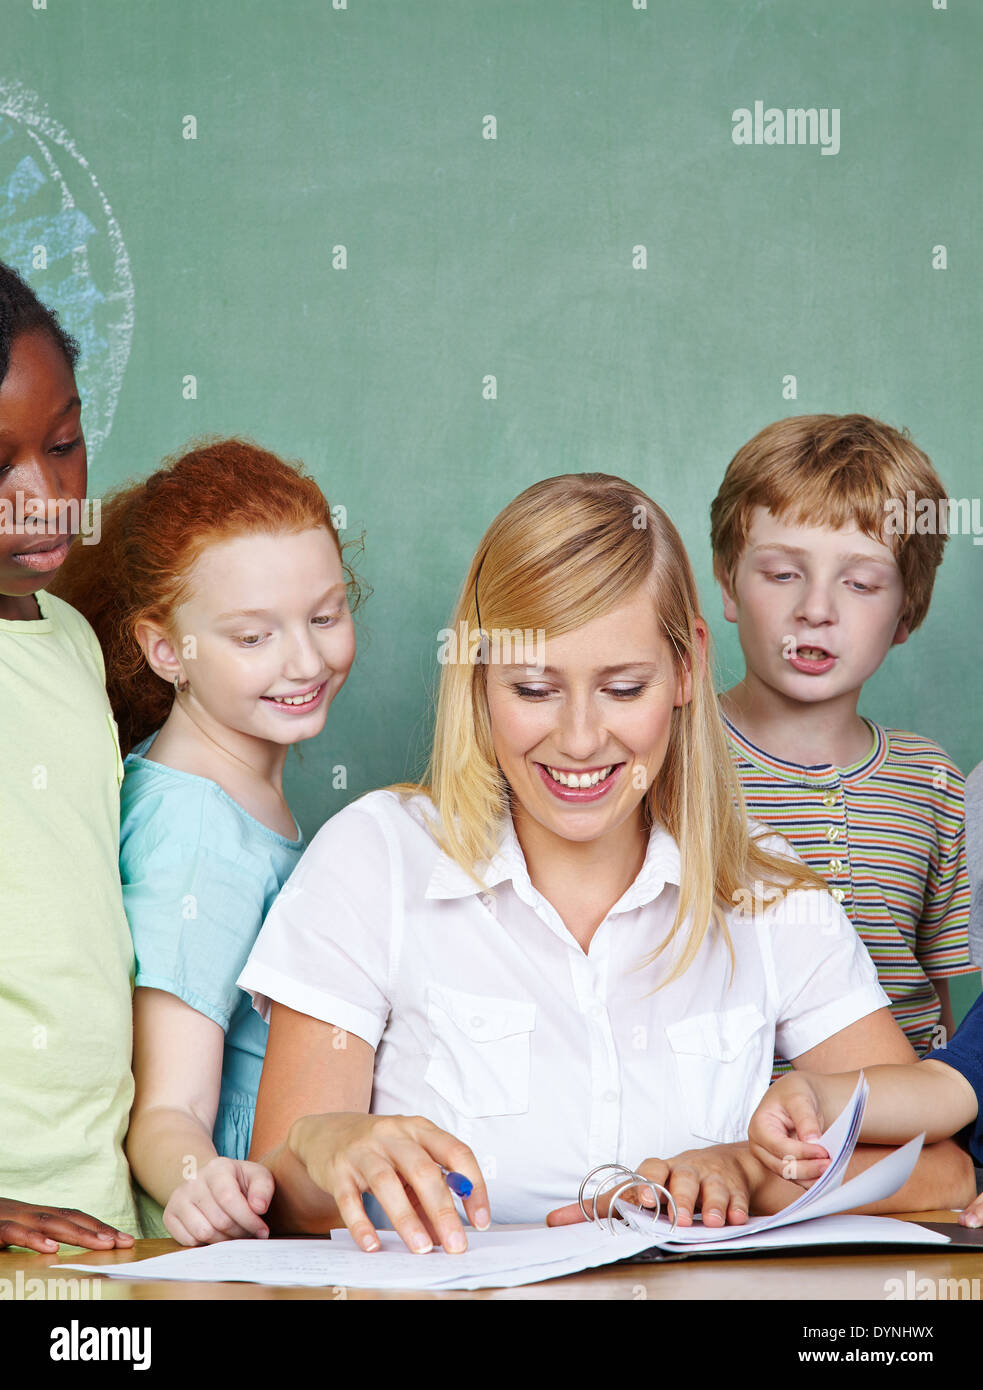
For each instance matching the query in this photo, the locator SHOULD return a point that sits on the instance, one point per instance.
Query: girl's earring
(178, 687)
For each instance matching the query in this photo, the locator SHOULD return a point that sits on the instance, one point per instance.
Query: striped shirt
(888, 835)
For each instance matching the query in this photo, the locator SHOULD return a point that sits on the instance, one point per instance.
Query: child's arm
(177, 1069)
(943, 1175)
(785, 1129)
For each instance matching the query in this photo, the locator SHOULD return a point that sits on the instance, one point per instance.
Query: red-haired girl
(221, 601)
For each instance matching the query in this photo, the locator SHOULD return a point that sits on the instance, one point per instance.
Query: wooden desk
(853, 1276)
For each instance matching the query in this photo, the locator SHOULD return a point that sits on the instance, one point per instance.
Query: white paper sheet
(494, 1259)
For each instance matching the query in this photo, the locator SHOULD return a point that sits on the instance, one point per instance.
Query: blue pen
(457, 1182)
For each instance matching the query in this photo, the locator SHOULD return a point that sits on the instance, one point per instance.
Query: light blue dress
(199, 875)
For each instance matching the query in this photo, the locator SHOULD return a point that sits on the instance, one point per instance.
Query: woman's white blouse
(489, 1019)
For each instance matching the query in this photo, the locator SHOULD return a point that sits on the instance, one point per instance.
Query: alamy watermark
(934, 516)
(472, 646)
(33, 1287)
(792, 125)
(24, 515)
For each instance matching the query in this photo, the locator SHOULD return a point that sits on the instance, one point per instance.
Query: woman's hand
(224, 1202)
(717, 1181)
(785, 1131)
(41, 1228)
(398, 1159)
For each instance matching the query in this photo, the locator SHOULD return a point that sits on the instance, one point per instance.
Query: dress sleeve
(193, 915)
(326, 945)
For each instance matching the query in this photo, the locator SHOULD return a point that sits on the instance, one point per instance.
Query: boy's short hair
(20, 312)
(832, 470)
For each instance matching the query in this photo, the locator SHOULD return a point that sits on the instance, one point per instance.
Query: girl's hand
(716, 1181)
(398, 1159)
(223, 1202)
(785, 1130)
(41, 1228)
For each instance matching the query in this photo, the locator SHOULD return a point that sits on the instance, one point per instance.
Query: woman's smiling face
(581, 738)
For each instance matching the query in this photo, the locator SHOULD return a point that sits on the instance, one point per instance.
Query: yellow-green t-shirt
(66, 956)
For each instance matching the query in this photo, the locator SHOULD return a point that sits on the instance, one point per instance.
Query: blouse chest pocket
(723, 1062)
(480, 1051)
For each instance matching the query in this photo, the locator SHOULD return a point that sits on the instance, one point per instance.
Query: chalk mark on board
(50, 198)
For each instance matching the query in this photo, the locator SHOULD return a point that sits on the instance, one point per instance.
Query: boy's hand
(223, 1202)
(785, 1130)
(42, 1228)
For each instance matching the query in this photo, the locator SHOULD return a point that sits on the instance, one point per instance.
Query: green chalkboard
(341, 218)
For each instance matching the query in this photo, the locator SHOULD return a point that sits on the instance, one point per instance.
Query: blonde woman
(564, 946)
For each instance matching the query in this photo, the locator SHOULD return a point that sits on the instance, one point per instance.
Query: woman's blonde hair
(566, 551)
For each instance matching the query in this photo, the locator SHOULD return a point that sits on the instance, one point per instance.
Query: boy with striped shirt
(820, 589)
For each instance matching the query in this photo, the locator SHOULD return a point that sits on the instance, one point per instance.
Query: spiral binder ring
(621, 1178)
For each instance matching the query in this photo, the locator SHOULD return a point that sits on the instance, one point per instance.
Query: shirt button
(610, 1097)
(833, 833)
(835, 865)
(829, 799)
(477, 1022)
(838, 894)
(596, 1010)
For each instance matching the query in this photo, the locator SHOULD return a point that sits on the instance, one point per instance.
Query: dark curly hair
(21, 311)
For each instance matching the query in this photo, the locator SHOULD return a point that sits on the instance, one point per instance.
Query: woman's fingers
(444, 1149)
(720, 1203)
(398, 1159)
(348, 1199)
(433, 1215)
(565, 1216)
(417, 1207)
(684, 1184)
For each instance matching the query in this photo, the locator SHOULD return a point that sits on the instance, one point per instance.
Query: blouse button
(835, 865)
(833, 833)
(838, 894)
(610, 1096)
(476, 1022)
(829, 799)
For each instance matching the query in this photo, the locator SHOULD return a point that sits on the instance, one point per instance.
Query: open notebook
(506, 1257)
